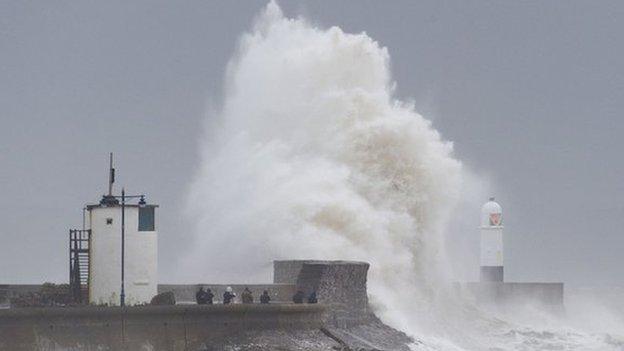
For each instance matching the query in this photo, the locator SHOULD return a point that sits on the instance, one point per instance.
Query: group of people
(206, 297)
(247, 297)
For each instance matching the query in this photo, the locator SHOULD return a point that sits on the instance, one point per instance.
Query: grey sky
(530, 92)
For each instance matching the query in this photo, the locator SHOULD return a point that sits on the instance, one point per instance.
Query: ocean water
(311, 156)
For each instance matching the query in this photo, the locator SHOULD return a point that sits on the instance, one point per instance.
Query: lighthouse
(491, 242)
(492, 289)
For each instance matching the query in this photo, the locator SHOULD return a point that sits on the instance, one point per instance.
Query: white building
(96, 251)
(492, 242)
(141, 253)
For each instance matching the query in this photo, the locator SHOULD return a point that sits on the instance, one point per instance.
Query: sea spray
(310, 156)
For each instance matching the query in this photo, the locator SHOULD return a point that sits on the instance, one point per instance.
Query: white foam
(311, 156)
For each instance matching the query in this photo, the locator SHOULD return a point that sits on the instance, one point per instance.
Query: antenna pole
(122, 301)
(110, 200)
(111, 176)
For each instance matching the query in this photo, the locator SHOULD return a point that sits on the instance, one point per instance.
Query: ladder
(79, 268)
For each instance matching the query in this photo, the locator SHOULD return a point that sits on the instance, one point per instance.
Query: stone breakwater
(148, 327)
(341, 320)
(182, 328)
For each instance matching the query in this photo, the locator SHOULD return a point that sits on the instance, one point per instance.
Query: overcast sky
(530, 92)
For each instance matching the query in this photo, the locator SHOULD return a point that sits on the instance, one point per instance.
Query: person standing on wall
(228, 296)
(265, 298)
(312, 298)
(209, 297)
(200, 296)
(246, 296)
(298, 297)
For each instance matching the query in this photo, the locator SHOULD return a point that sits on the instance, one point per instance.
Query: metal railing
(79, 266)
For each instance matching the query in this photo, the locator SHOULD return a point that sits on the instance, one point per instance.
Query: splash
(311, 156)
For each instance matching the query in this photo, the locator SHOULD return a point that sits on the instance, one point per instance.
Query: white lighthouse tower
(140, 249)
(491, 242)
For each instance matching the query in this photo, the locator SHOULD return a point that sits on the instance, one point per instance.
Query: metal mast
(110, 199)
(111, 176)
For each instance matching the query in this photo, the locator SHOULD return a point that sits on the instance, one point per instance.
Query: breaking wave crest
(310, 156)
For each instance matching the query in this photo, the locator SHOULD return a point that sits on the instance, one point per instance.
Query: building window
(146, 219)
(109, 221)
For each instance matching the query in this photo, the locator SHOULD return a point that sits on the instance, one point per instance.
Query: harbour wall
(502, 293)
(340, 288)
(335, 282)
(166, 328)
(341, 284)
(184, 293)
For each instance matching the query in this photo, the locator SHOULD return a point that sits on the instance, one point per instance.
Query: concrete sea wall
(340, 284)
(340, 288)
(335, 282)
(166, 328)
(287, 271)
(10, 291)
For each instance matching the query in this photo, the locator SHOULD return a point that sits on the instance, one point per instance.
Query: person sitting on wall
(265, 298)
(312, 298)
(298, 297)
(209, 297)
(228, 296)
(246, 296)
(200, 296)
